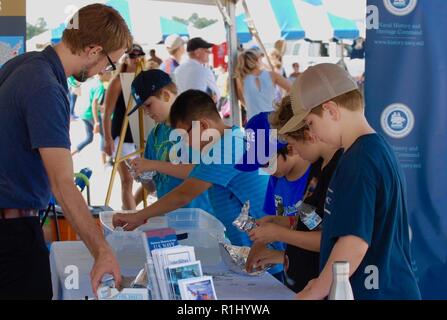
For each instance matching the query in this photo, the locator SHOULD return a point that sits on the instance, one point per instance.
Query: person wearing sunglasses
(36, 162)
(195, 73)
(115, 104)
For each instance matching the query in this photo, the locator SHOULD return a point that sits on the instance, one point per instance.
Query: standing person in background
(296, 72)
(91, 115)
(256, 86)
(106, 81)
(175, 46)
(154, 58)
(34, 129)
(276, 60)
(195, 72)
(115, 104)
(74, 88)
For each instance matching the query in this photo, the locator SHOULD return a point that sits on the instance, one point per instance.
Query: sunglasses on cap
(137, 54)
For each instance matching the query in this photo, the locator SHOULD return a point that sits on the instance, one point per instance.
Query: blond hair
(247, 62)
(100, 25)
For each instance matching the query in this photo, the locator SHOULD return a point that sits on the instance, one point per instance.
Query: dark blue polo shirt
(34, 113)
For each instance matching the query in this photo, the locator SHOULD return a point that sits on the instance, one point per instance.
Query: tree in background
(196, 21)
(35, 29)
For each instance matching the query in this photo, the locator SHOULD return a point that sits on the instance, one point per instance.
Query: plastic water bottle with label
(341, 288)
(308, 215)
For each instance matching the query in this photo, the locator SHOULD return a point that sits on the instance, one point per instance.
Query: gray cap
(315, 86)
(173, 42)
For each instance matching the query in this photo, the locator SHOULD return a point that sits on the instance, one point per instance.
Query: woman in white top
(256, 86)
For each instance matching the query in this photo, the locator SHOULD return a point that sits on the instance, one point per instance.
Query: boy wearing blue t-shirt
(366, 222)
(289, 176)
(288, 181)
(195, 116)
(155, 92)
(287, 185)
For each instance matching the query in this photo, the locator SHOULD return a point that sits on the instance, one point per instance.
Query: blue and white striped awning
(298, 19)
(169, 27)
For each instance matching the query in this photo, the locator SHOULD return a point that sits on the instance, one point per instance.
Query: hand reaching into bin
(260, 257)
(128, 222)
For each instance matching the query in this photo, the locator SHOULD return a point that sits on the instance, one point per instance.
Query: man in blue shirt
(35, 143)
(196, 115)
(366, 222)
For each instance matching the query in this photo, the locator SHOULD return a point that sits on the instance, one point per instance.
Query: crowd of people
(306, 144)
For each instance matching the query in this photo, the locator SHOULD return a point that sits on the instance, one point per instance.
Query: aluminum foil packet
(244, 222)
(144, 177)
(235, 257)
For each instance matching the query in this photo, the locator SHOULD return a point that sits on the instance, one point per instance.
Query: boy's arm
(270, 232)
(177, 198)
(347, 248)
(179, 171)
(279, 220)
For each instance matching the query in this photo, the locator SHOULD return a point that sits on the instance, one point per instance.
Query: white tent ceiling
(205, 2)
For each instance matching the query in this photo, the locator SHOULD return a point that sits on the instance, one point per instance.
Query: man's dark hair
(192, 105)
(152, 52)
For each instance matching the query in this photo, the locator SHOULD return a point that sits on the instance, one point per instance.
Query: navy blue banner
(406, 101)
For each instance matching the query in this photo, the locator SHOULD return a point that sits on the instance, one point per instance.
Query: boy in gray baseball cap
(366, 221)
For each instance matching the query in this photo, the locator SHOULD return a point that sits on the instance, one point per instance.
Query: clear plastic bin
(204, 230)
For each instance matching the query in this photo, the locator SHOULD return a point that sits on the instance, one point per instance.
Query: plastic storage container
(132, 252)
(204, 230)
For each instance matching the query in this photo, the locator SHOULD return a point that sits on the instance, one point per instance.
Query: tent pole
(232, 59)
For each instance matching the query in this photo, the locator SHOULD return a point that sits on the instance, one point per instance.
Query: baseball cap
(255, 142)
(315, 86)
(197, 43)
(136, 51)
(146, 84)
(173, 42)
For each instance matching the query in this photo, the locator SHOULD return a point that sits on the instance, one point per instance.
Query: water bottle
(341, 288)
(308, 215)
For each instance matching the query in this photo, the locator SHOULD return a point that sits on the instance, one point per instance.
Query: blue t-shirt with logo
(34, 113)
(283, 195)
(366, 199)
(231, 187)
(158, 146)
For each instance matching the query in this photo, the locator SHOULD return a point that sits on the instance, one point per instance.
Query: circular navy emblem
(400, 7)
(397, 120)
